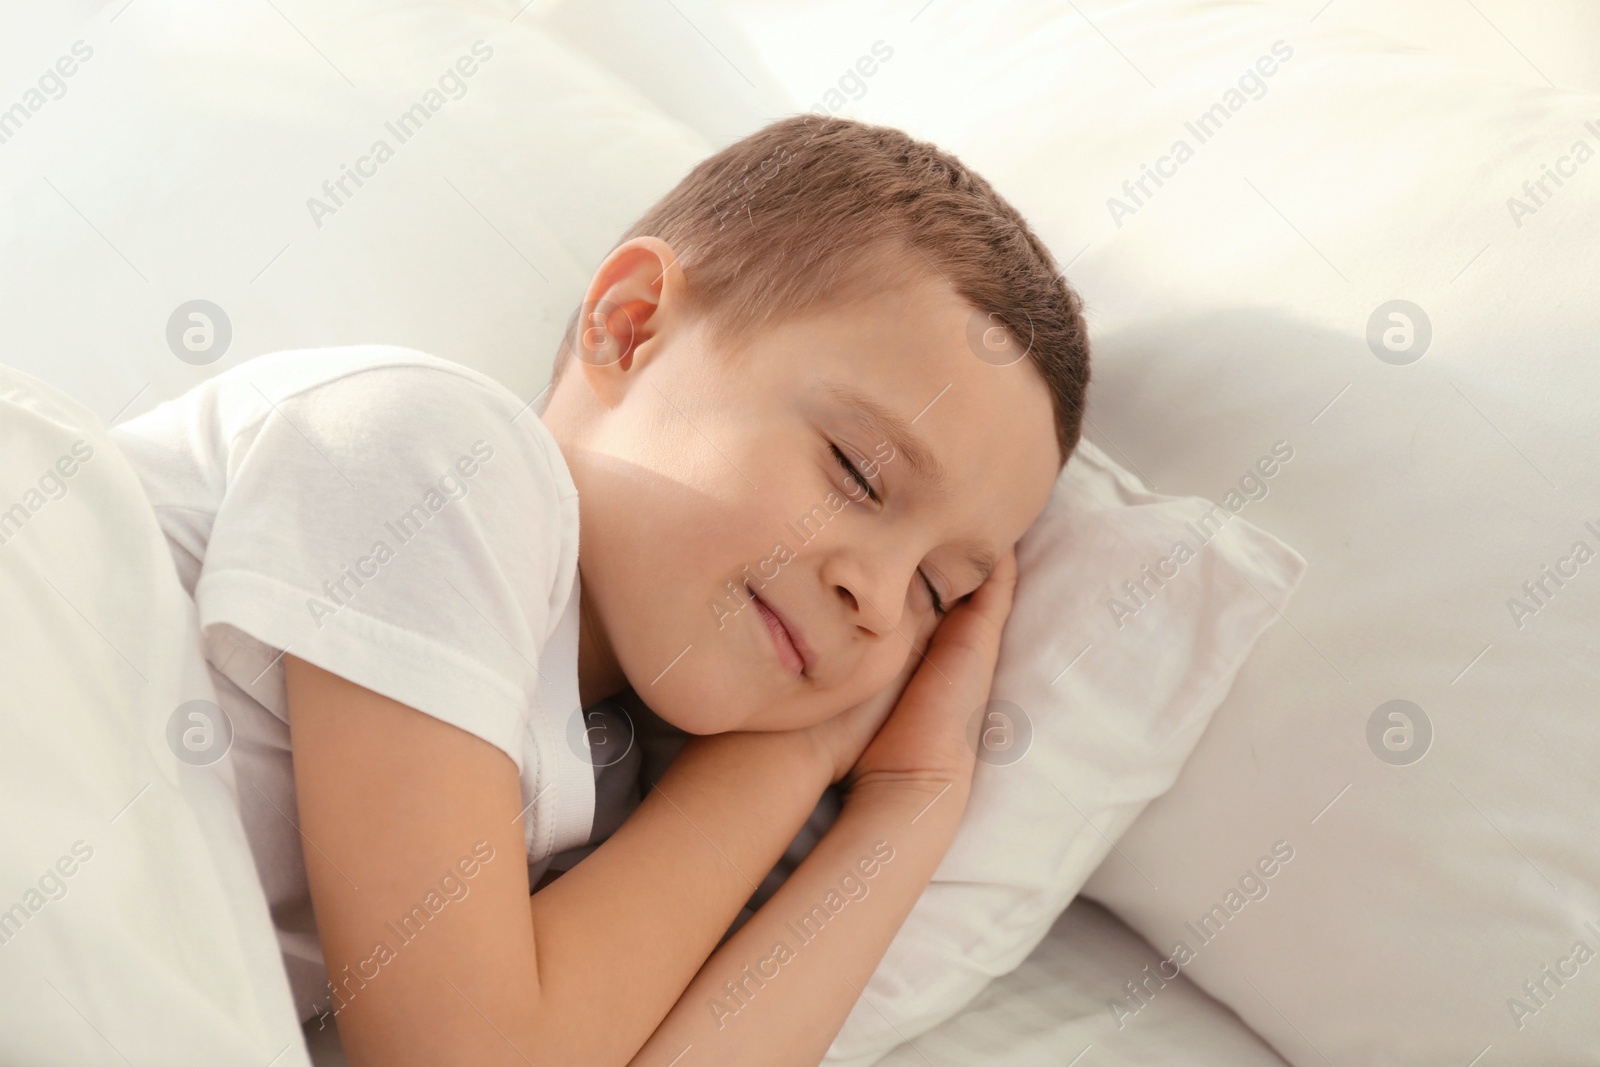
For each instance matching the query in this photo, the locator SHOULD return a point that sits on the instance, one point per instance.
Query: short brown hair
(799, 216)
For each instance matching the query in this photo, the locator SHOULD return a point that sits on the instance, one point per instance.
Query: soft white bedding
(471, 244)
(132, 927)
(1443, 492)
(1054, 1009)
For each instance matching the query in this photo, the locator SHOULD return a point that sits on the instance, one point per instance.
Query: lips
(791, 647)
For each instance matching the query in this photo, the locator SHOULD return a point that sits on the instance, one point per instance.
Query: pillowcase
(1421, 736)
(689, 58)
(1052, 1007)
(428, 174)
(1099, 695)
(469, 241)
(1133, 612)
(1554, 39)
(131, 921)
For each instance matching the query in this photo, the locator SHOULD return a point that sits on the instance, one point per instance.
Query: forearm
(621, 934)
(779, 990)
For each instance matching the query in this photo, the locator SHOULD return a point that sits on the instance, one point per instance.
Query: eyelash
(939, 608)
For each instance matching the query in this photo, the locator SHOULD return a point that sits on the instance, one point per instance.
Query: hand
(926, 739)
(840, 740)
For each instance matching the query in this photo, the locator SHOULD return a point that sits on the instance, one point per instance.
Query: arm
(582, 972)
(779, 990)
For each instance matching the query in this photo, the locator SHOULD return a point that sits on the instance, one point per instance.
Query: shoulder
(375, 383)
(384, 408)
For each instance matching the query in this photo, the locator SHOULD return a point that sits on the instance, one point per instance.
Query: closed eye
(854, 475)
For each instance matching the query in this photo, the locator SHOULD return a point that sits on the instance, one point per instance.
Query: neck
(599, 675)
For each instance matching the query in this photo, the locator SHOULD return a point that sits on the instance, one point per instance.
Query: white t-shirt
(401, 521)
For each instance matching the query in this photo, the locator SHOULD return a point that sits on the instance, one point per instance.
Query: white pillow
(550, 157)
(1557, 40)
(1052, 1009)
(1103, 738)
(1098, 698)
(132, 925)
(688, 57)
(136, 192)
(1234, 307)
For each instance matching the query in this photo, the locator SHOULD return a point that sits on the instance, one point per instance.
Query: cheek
(667, 550)
(918, 620)
(888, 665)
(692, 519)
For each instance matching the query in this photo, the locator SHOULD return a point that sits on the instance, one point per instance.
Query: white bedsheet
(132, 927)
(1054, 1010)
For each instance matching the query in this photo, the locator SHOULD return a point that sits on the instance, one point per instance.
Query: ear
(636, 294)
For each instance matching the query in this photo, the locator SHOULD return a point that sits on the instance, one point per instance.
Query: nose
(871, 587)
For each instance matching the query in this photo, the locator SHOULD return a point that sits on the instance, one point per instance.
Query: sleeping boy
(806, 408)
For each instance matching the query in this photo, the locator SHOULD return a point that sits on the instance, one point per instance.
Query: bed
(1382, 253)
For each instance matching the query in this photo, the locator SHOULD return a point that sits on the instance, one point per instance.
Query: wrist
(927, 794)
(819, 762)
(796, 757)
(822, 761)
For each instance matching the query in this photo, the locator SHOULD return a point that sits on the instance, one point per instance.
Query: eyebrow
(885, 424)
(980, 555)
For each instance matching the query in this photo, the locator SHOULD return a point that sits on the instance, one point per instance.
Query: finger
(960, 661)
(977, 621)
(877, 707)
(886, 699)
(994, 596)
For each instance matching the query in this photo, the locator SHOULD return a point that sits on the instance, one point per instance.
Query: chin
(687, 707)
(690, 724)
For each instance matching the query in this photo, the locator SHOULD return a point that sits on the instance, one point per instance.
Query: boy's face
(705, 476)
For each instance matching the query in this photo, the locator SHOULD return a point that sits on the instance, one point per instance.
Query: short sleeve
(405, 527)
